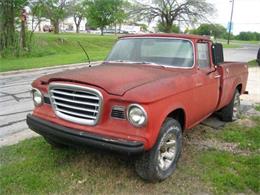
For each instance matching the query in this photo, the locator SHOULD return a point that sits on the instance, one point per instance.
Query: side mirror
(217, 53)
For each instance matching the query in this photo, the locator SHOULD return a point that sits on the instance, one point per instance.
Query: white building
(67, 25)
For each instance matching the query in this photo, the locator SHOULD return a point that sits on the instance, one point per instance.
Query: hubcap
(167, 151)
(236, 107)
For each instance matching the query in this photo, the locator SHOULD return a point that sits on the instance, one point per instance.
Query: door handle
(217, 76)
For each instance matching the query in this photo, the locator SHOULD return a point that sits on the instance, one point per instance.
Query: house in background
(68, 25)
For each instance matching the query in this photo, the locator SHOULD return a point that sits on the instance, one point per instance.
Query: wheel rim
(236, 107)
(167, 151)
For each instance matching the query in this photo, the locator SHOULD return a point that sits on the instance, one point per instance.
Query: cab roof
(166, 35)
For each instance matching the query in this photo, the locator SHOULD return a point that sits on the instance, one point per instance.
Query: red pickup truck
(140, 100)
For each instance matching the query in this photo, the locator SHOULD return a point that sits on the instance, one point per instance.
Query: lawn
(231, 45)
(252, 63)
(238, 42)
(34, 167)
(49, 49)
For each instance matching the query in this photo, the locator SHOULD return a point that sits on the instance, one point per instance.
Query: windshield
(162, 51)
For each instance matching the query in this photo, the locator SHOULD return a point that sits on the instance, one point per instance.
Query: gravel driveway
(16, 103)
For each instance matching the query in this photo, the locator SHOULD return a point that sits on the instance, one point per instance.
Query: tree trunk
(39, 25)
(7, 25)
(77, 22)
(102, 30)
(120, 26)
(23, 35)
(115, 29)
(56, 25)
(168, 28)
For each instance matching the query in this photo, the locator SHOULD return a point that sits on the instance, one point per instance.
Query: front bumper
(70, 136)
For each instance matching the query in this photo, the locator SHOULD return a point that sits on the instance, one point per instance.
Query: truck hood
(115, 79)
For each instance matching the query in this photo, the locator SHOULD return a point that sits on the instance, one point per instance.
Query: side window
(203, 55)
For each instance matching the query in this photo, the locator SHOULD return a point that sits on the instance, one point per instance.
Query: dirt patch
(218, 145)
(246, 122)
(204, 138)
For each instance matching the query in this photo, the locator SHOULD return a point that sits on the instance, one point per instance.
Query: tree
(216, 30)
(56, 11)
(102, 13)
(174, 29)
(9, 11)
(120, 14)
(37, 13)
(248, 36)
(78, 10)
(168, 11)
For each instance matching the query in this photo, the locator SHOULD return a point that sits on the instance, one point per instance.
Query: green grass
(225, 45)
(34, 167)
(49, 49)
(257, 107)
(238, 41)
(231, 173)
(245, 42)
(247, 138)
(252, 63)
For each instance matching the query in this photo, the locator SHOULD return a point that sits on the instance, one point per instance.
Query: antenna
(85, 53)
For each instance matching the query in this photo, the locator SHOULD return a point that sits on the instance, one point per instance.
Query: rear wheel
(232, 111)
(160, 162)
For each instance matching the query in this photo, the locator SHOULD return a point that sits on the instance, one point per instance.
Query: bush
(248, 36)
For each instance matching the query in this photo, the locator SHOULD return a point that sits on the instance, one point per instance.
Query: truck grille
(76, 103)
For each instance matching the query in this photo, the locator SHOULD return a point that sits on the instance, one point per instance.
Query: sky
(246, 16)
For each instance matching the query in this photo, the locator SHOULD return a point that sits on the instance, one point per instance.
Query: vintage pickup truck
(140, 99)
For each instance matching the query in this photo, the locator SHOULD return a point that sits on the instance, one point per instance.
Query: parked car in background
(48, 28)
(150, 89)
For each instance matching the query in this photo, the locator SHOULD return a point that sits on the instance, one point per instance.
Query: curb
(46, 68)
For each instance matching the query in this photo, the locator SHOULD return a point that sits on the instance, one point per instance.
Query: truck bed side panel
(233, 75)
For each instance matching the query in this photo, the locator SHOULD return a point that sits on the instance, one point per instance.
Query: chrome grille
(76, 103)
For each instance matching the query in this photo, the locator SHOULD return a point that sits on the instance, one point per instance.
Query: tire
(258, 62)
(160, 162)
(54, 144)
(232, 111)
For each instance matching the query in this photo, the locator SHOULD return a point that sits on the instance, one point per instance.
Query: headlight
(37, 97)
(136, 115)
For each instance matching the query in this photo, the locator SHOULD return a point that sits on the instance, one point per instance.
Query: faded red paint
(160, 90)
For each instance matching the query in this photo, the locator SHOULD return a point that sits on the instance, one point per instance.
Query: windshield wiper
(150, 63)
(120, 61)
(135, 62)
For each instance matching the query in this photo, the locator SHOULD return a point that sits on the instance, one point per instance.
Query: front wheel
(160, 162)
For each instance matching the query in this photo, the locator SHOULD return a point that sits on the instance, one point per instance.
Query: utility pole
(230, 22)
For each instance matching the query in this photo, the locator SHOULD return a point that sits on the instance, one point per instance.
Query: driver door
(207, 83)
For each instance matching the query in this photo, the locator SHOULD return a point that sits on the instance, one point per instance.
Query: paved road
(246, 53)
(16, 103)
